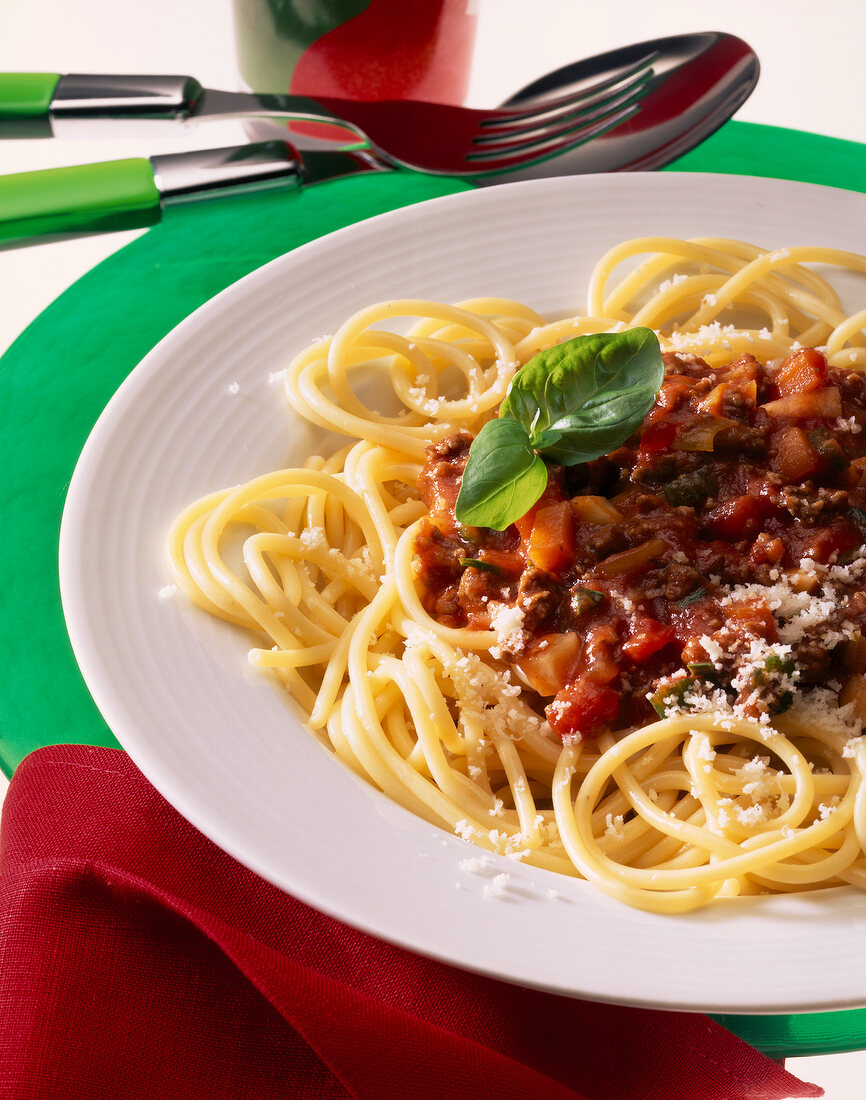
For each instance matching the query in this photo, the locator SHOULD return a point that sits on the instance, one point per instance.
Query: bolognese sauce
(649, 573)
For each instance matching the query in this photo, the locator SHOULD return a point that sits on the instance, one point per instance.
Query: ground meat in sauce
(737, 475)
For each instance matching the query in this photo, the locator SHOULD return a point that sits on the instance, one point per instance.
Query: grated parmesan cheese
(475, 865)
(497, 887)
(713, 333)
(613, 827)
(507, 623)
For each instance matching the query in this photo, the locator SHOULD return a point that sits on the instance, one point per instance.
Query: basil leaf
(572, 403)
(503, 477)
(582, 399)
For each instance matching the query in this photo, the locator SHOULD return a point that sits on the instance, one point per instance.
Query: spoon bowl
(699, 81)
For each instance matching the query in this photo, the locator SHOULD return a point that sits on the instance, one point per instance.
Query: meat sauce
(737, 474)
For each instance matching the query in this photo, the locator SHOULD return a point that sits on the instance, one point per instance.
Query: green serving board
(60, 373)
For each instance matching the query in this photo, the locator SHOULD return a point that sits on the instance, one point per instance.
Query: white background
(812, 79)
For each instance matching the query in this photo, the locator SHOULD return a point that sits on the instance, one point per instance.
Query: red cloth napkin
(137, 960)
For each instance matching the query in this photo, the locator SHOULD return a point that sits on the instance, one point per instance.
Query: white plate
(222, 744)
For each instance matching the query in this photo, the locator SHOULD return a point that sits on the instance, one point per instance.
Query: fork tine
(511, 159)
(526, 139)
(504, 140)
(567, 115)
(585, 99)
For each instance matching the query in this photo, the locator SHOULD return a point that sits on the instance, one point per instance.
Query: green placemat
(58, 376)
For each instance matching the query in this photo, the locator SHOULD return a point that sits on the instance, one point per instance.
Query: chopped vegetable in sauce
(719, 549)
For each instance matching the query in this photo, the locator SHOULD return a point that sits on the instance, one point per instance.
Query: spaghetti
(323, 564)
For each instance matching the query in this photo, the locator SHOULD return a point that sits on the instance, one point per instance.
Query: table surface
(811, 79)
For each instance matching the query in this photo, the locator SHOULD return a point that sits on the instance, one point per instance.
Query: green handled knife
(133, 193)
(65, 105)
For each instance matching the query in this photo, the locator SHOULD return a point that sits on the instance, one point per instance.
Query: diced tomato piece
(793, 457)
(837, 538)
(765, 492)
(766, 549)
(658, 438)
(583, 707)
(754, 618)
(739, 517)
(802, 372)
(675, 390)
(647, 637)
(551, 544)
(524, 524)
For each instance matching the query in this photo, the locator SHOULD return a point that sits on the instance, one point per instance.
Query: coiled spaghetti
(318, 563)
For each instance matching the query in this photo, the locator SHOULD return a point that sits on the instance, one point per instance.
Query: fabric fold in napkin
(137, 960)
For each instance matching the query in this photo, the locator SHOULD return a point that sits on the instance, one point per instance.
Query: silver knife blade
(82, 99)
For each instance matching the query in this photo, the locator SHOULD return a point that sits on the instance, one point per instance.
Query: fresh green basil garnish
(570, 403)
(503, 477)
(582, 399)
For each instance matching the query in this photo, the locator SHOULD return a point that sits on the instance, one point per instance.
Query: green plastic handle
(25, 100)
(87, 198)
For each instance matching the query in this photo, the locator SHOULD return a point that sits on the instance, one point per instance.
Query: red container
(360, 49)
